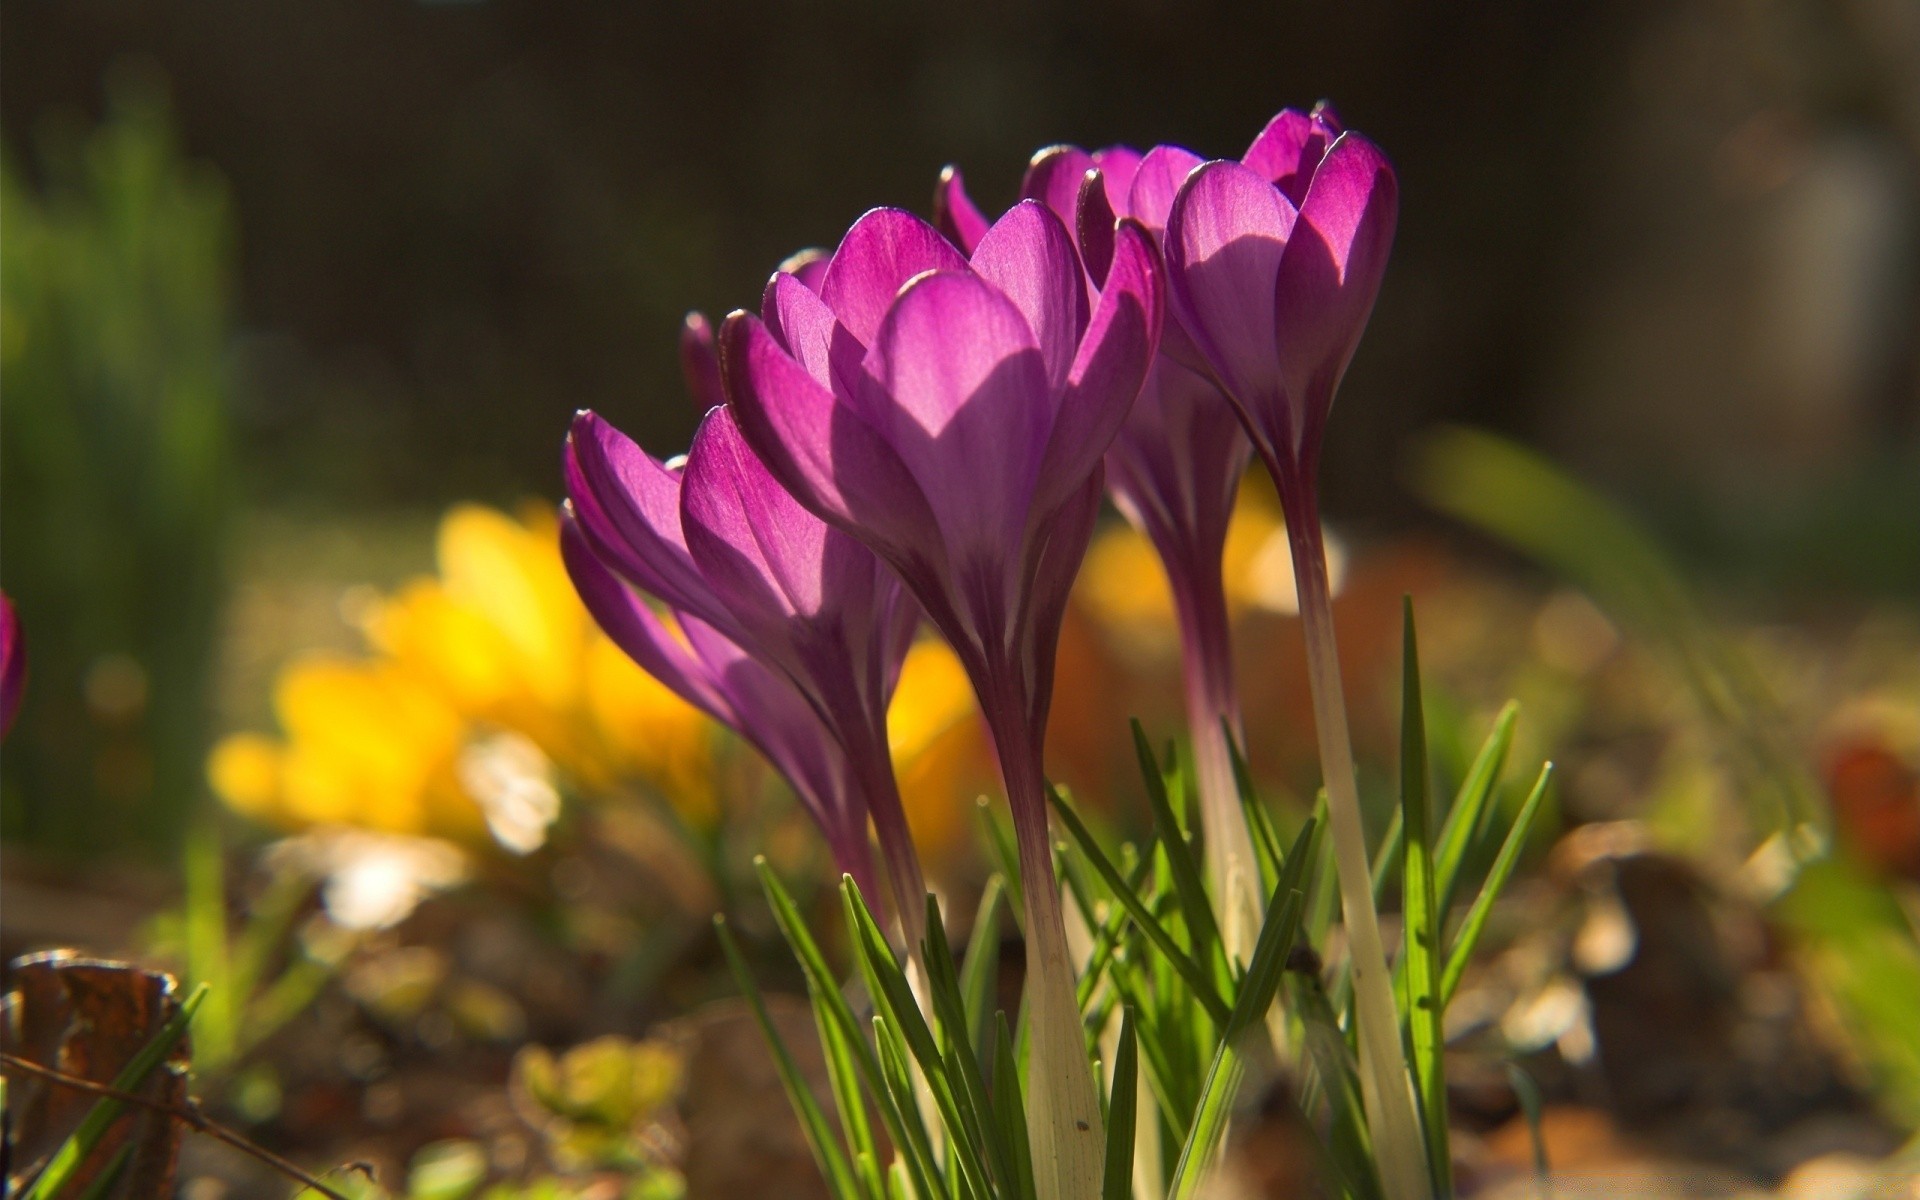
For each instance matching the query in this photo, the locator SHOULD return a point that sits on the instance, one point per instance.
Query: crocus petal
(802, 323)
(1117, 165)
(1224, 240)
(1332, 269)
(1029, 256)
(954, 213)
(883, 250)
(752, 541)
(13, 663)
(968, 416)
(1288, 150)
(1053, 178)
(634, 627)
(1112, 362)
(1156, 183)
(629, 505)
(1057, 554)
(1175, 466)
(1094, 219)
(820, 449)
(809, 266)
(700, 362)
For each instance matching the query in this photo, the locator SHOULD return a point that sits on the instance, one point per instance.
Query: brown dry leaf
(86, 1018)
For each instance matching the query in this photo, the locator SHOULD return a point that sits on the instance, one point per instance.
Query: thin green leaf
(1527, 1092)
(1336, 1076)
(103, 1184)
(86, 1137)
(963, 1061)
(914, 1145)
(1497, 876)
(1420, 975)
(1278, 933)
(980, 971)
(1196, 977)
(1006, 859)
(1194, 905)
(1122, 1105)
(827, 1153)
(1009, 1107)
(1472, 810)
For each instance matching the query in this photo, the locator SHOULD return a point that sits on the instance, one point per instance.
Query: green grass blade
(1009, 1106)
(913, 1144)
(1194, 905)
(1420, 976)
(980, 971)
(1497, 876)
(1472, 812)
(86, 1137)
(1349, 1146)
(1532, 1106)
(1196, 976)
(963, 1059)
(1122, 1105)
(1006, 859)
(827, 1153)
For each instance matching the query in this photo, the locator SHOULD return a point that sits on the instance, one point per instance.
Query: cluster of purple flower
(925, 421)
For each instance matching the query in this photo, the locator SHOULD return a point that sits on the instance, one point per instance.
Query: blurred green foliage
(115, 285)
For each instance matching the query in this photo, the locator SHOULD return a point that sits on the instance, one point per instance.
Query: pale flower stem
(1386, 1088)
(1064, 1126)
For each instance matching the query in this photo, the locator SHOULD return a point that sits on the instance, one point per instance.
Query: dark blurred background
(1672, 244)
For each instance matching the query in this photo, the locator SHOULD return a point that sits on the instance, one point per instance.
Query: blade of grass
(1527, 1092)
(1194, 905)
(1196, 977)
(1122, 1101)
(826, 1150)
(980, 971)
(1009, 1108)
(1006, 859)
(963, 1060)
(1471, 814)
(1420, 977)
(1497, 876)
(86, 1137)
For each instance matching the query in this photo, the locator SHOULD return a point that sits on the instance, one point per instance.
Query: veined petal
(802, 323)
(1331, 271)
(754, 544)
(1029, 256)
(884, 249)
(13, 663)
(1289, 149)
(968, 415)
(1094, 219)
(809, 266)
(634, 627)
(700, 362)
(1117, 165)
(1156, 183)
(629, 505)
(954, 213)
(1224, 241)
(1110, 366)
(1053, 178)
(826, 455)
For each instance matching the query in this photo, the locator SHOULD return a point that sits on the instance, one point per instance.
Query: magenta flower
(1274, 263)
(1174, 470)
(13, 663)
(952, 414)
(792, 633)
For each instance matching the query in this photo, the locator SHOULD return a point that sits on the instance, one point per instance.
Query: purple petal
(1117, 165)
(753, 543)
(968, 415)
(1288, 150)
(13, 663)
(1156, 183)
(883, 250)
(820, 449)
(1053, 178)
(1029, 256)
(700, 362)
(954, 213)
(1224, 241)
(628, 504)
(1331, 271)
(802, 323)
(633, 625)
(1056, 557)
(1113, 360)
(1093, 225)
(1176, 465)
(809, 266)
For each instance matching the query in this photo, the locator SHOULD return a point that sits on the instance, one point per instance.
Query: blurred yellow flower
(940, 750)
(488, 681)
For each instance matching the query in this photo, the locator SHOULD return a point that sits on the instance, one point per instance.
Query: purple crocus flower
(1273, 263)
(13, 663)
(951, 412)
(790, 632)
(1174, 471)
